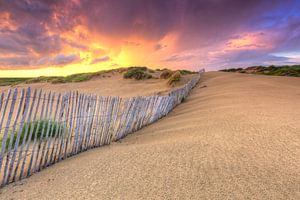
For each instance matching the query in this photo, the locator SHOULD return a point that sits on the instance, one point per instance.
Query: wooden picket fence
(38, 129)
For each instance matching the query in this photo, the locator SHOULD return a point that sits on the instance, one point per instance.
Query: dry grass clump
(166, 74)
(176, 76)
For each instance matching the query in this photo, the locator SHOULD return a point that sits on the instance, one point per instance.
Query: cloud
(179, 58)
(25, 61)
(102, 59)
(35, 31)
(62, 59)
(159, 47)
(9, 62)
(131, 43)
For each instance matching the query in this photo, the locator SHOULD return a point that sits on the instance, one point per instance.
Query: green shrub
(37, 129)
(174, 78)
(137, 73)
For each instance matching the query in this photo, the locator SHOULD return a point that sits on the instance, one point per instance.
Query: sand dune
(112, 84)
(236, 138)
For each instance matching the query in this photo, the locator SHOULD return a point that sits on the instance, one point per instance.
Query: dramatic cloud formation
(63, 37)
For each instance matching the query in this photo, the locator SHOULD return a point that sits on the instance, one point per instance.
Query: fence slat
(3, 147)
(51, 137)
(5, 180)
(57, 131)
(71, 121)
(25, 132)
(35, 135)
(31, 130)
(64, 129)
(40, 139)
(24, 114)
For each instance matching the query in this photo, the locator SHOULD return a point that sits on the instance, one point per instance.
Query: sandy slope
(237, 138)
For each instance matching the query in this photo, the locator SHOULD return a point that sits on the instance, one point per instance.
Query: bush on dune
(176, 77)
(138, 73)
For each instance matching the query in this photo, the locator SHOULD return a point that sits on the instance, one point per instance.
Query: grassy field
(287, 70)
(12, 81)
(55, 79)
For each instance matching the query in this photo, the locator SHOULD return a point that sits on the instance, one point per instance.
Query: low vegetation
(138, 73)
(37, 128)
(58, 79)
(185, 72)
(12, 81)
(176, 77)
(293, 70)
(166, 74)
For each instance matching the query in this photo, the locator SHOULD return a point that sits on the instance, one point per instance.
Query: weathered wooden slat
(4, 109)
(114, 127)
(101, 120)
(31, 129)
(122, 117)
(24, 114)
(83, 122)
(41, 165)
(58, 131)
(40, 139)
(78, 113)
(64, 131)
(12, 106)
(97, 123)
(86, 123)
(19, 108)
(110, 106)
(52, 137)
(1, 100)
(27, 127)
(90, 127)
(71, 122)
(35, 135)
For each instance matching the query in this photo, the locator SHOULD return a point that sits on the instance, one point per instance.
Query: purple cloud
(102, 59)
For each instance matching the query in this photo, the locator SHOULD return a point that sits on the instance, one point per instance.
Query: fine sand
(109, 84)
(237, 136)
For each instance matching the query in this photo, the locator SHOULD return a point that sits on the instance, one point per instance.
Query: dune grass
(37, 128)
(287, 70)
(12, 81)
(138, 73)
(176, 77)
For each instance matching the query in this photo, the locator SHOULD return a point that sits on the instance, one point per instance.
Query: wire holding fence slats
(38, 129)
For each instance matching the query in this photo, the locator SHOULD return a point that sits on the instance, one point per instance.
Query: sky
(60, 37)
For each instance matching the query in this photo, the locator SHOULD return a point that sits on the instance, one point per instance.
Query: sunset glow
(51, 38)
